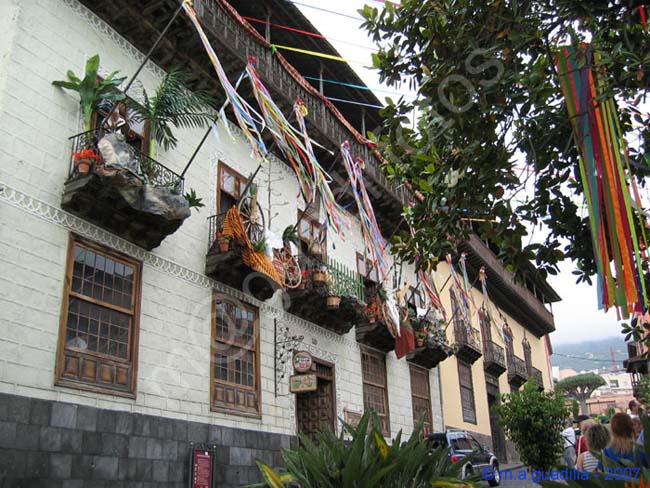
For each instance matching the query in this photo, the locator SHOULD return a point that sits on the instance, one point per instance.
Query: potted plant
(306, 275)
(290, 235)
(223, 241)
(173, 104)
(320, 275)
(260, 246)
(84, 160)
(420, 336)
(333, 300)
(372, 310)
(92, 90)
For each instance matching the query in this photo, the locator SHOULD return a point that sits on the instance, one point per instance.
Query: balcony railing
(517, 374)
(343, 281)
(468, 346)
(150, 170)
(215, 224)
(494, 359)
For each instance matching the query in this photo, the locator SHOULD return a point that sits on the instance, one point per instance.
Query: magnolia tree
(491, 150)
(580, 387)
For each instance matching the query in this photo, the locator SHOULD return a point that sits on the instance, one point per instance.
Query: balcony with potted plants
(111, 182)
(494, 359)
(467, 344)
(329, 295)
(373, 330)
(517, 374)
(431, 346)
(237, 251)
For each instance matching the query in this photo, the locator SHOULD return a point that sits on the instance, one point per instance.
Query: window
(311, 231)
(235, 358)
(229, 188)
(99, 324)
(613, 383)
(466, 392)
(366, 268)
(375, 388)
(421, 397)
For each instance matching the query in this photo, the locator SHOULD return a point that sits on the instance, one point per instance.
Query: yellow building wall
(451, 401)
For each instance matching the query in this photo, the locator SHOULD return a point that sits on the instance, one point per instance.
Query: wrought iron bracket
(283, 347)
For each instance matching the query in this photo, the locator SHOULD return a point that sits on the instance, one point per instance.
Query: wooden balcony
(494, 359)
(312, 302)
(511, 296)
(517, 374)
(234, 40)
(374, 334)
(133, 196)
(228, 267)
(429, 356)
(536, 374)
(467, 346)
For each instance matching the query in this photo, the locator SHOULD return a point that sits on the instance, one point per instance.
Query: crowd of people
(617, 440)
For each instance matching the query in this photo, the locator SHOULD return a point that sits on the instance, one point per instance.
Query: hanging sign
(303, 383)
(201, 469)
(302, 362)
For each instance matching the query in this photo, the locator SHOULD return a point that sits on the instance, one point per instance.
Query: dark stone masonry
(61, 445)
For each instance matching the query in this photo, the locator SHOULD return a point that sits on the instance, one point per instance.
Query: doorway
(316, 410)
(498, 436)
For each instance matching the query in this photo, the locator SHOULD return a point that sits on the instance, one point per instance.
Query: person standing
(597, 438)
(622, 445)
(569, 436)
(585, 424)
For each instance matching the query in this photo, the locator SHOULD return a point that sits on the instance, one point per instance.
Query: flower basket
(333, 302)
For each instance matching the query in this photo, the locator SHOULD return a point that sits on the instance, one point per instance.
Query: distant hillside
(589, 355)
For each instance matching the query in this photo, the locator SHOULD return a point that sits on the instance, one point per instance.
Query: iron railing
(150, 170)
(494, 352)
(517, 366)
(343, 280)
(215, 224)
(466, 334)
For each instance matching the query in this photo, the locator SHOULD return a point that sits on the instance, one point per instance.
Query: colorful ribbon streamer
(369, 227)
(242, 110)
(597, 134)
(296, 146)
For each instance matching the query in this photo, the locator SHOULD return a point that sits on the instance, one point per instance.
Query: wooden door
(315, 410)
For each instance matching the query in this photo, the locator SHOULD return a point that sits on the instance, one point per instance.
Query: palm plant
(366, 461)
(173, 104)
(92, 90)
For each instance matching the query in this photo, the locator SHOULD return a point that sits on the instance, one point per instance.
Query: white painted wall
(39, 42)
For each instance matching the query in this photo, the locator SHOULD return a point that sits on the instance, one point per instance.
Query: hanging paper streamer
(242, 110)
(464, 295)
(369, 227)
(296, 146)
(597, 134)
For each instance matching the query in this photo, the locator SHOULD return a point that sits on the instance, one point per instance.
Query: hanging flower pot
(83, 166)
(333, 302)
(84, 159)
(320, 276)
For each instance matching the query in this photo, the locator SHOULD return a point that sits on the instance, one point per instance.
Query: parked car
(461, 444)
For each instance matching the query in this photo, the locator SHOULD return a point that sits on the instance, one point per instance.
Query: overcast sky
(577, 317)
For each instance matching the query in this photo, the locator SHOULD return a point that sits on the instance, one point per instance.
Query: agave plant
(365, 461)
(173, 104)
(92, 90)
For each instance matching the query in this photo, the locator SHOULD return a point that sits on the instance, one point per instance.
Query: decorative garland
(597, 134)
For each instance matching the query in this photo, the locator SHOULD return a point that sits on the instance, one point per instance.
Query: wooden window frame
(468, 387)
(385, 418)
(240, 182)
(416, 418)
(256, 349)
(313, 225)
(103, 360)
(369, 265)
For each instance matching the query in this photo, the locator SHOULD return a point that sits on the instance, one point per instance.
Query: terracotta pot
(320, 276)
(333, 302)
(83, 166)
(224, 245)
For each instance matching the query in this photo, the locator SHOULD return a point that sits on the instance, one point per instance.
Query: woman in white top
(597, 437)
